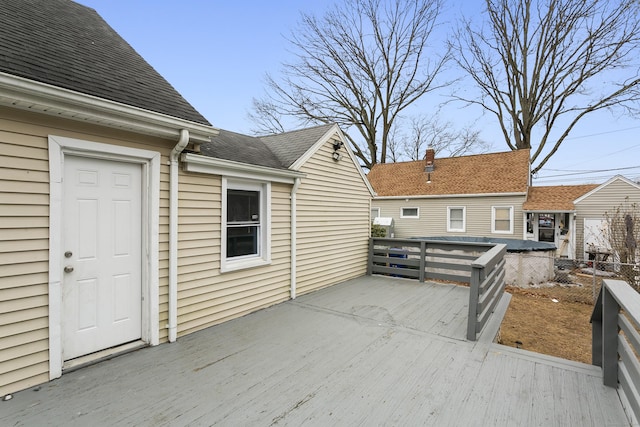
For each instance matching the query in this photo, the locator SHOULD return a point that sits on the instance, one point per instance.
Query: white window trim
(493, 220)
(264, 240)
(375, 216)
(464, 219)
(402, 215)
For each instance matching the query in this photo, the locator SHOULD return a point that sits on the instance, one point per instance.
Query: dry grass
(551, 320)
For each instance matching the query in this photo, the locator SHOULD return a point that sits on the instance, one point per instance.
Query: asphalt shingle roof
(290, 146)
(555, 197)
(274, 151)
(240, 148)
(506, 172)
(68, 45)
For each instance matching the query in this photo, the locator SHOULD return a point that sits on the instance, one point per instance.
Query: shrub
(378, 230)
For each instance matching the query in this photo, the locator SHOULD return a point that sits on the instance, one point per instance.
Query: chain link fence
(579, 278)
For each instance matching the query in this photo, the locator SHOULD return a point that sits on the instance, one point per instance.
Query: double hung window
(245, 224)
(502, 219)
(456, 218)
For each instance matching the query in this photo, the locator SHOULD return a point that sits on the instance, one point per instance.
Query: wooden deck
(371, 351)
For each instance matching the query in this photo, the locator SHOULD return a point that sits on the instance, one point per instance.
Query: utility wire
(602, 133)
(582, 172)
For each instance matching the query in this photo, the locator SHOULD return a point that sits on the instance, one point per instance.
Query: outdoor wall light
(336, 146)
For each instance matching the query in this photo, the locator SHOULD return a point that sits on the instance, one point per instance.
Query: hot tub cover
(513, 245)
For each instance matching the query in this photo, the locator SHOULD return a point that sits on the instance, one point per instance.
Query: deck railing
(487, 286)
(616, 341)
(481, 265)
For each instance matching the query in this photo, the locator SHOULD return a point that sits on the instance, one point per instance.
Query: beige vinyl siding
(595, 206)
(205, 296)
(433, 215)
(333, 208)
(24, 237)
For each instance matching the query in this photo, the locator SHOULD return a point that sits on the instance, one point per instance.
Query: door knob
(68, 269)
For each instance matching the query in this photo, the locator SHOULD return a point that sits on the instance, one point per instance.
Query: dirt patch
(550, 320)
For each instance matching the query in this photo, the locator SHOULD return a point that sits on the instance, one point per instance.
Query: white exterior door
(102, 241)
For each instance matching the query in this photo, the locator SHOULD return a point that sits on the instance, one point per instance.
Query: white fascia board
(210, 165)
(18, 92)
(449, 196)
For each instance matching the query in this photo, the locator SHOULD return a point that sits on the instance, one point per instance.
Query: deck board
(371, 351)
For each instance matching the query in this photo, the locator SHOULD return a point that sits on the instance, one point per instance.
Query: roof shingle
(240, 148)
(505, 172)
(555, 197)
(275, 151)
(290, 146)
(68, 45)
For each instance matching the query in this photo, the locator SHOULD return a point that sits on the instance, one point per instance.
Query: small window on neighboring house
(502, 219)
(409, 213)
(456, 219)
(245, 225)
(375, 213)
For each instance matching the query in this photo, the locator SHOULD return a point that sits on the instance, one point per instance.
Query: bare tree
(360, 65)
(542, 65)
(622, 237)
(395, 144)
(443, 137)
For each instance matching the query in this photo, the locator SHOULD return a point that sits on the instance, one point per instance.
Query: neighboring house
(574, 216)
(479, 195)
(128, 220)
(489, 195)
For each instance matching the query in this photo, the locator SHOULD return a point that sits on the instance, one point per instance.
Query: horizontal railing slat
(617, 310)
(479, 264)
(492, 277)
(630, 331)
(393, 260)
(431, 255)
(629, 359)
(484, 315)
(395, 271)
(448, 266)
(629, 390)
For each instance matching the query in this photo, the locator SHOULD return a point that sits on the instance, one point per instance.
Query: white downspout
(294, 190)
(173, 233)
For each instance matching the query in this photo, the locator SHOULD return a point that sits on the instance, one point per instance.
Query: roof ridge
(457, 157)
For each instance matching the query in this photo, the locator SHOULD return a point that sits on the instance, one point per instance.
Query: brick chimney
(429, 159)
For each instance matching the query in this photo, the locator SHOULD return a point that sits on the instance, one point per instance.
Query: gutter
(29, 95)
(294, 191)
(449, 196)
(199, 163)
(172, 326)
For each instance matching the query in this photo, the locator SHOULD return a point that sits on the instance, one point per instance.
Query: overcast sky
(216, 53)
